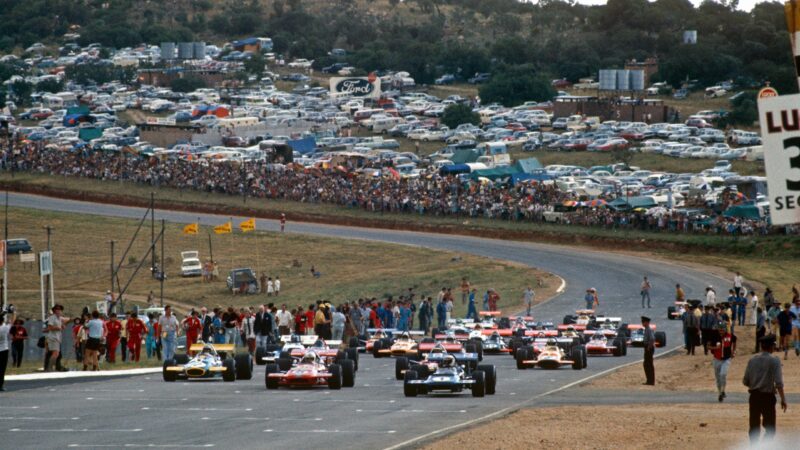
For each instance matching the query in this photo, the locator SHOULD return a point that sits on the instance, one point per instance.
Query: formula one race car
(209, 361)
(310, 370)
(295, 346)
(448, 372)
(602, 344)
(584, 317)
(494, 343)
(676, 312)
(552, 355)
(635, 335)
(403, 345)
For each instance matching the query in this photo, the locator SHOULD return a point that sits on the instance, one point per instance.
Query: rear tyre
(261, 353)
(523, 354)
(661, 338)
(479, 386)
(335, 380)
(410, 390)
(490, 372)
(577, 359)
(272, 383)
(284, 364)
(376, 347)
(618, 343)
(348, 373)
(340, 356)
(169, 376)
(352, 354)
(244, 366)
(230, 370)
(400, 367)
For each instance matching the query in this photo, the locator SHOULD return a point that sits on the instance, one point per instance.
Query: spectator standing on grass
(5, 345)
(337, 324)
(772, 319)
(795, 309)
(741, 308)
(645, 291)
(448, 304)
(763, 377)
(424, 314)
(249, 331)
(54, 326)
(464, 290)
(270, 287)
(761, 326)
(18, 337)
(486, 300)
(136, 329)
(723, 351)
(708, 325)
(711, 296)
(441, 314)
(472, 313)
(277, 286)
(785, 319)
(738, 284)
(169, 327)
(95, 332)
(754, 306)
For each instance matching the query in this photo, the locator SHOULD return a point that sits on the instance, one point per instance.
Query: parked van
(383, 125)
(363, 114)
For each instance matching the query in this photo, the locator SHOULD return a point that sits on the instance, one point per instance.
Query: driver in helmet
(552, 345)
(207, 350)
(319, 344)
(295, 339)
(404, 337)
(309, 358)
(448, 361)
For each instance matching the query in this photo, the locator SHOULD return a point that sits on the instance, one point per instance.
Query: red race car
(311, 370)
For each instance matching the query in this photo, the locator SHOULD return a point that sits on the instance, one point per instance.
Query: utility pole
(48, 280)
(5, 258)
(113, 272)
(163, 273)
(152, 234)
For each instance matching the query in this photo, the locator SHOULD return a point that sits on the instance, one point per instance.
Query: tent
(743, 211)
(496, 173)
(303, 146)
(454, 169)
(529, 165)
(625, 204)
(463, 156)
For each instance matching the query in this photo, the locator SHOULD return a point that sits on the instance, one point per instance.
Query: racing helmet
(404, 337)
(319, 344)
(608, 321)
(295, 339)
(552, 341)
(207, 349)
(448, 361)
(495, 335)
(309, 358)
(570, 328)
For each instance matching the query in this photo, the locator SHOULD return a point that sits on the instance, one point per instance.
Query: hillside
(432, 37)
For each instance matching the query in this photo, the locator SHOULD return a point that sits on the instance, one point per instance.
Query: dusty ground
(696, 373)
(677, 426)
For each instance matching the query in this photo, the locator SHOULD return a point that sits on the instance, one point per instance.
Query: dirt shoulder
(638, 426)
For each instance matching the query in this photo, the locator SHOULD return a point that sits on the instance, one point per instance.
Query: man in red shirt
(723, 350)
(113, 333)
(300, 321)
(310, 319)
(136, 329)
(193, 328)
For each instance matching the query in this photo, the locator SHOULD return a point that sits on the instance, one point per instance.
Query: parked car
(20, 245)
(479, 78)
(447, 78)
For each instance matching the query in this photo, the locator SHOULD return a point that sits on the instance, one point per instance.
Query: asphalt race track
(145, 411)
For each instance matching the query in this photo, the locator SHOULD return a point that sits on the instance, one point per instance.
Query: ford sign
(355, 87)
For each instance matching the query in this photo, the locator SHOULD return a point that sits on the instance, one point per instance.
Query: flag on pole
(225, 228)
(248, 225)
(192, 228)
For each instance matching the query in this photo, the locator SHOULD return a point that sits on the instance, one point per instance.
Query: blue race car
(209, 361)
(441, 371)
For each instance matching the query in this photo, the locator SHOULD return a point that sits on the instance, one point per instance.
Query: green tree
(514, 85)
(455, 115)
(255, 65)
(22, 92)
(50, 85)
(188, 84)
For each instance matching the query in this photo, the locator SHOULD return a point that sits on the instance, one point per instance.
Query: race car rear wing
(614, 320)
(603, 332)
(524, 318)
(460, 357)
(305, 339)
(490, 313)
(587, 312)
(639, 327)
(575, 327)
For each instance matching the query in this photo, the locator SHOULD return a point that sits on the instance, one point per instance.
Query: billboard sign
(45, 263)
(780, 130)
(365, 87)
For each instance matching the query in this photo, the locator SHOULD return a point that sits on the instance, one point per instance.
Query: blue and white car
(441, 371)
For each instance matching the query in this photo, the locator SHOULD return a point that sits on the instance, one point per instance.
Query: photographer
(54, 326)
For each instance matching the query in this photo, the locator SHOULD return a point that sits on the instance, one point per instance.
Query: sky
(744, 5)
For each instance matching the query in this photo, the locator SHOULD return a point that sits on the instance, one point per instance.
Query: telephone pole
(163, 273)
(152, 234)
(50, 273)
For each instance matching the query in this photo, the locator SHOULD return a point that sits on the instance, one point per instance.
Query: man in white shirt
(284, 319)
(738, 282)
(711, 296)
(277, 286)
(169, 332)
(5, 345)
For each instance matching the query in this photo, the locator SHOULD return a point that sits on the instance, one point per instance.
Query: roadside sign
(45, 263)
(2, 254)
(780, 130)
(101, 308)
(767, 92)
(27, 257)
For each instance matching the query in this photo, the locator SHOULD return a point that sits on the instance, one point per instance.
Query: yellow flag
(225, 228)
(192, 228)
(248, 225)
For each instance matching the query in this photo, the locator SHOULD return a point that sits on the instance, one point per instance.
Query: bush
(514, 85)
(188, 84)
(455, 115)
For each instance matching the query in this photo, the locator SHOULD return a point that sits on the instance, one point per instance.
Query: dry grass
(350, 269)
